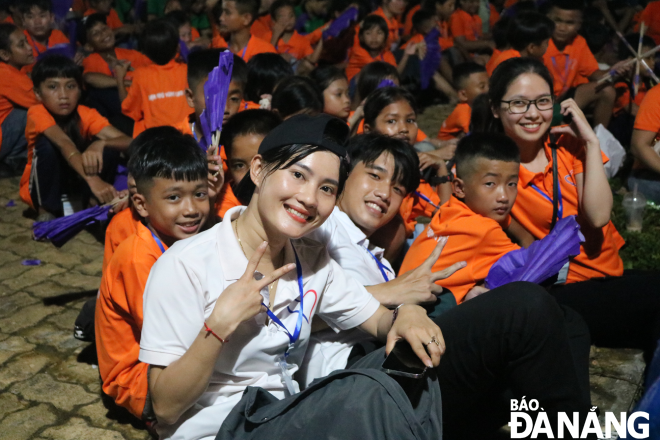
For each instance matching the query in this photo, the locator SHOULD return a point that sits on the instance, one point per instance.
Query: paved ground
(48, 388)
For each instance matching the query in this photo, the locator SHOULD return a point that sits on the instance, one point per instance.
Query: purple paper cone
(542, 259)
(431, 62)
(62, 229)
(340, 23)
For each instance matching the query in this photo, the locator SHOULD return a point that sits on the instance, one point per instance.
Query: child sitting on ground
(62, 152)
(16, 96)
(471, 80)
(528, 35)
(235, 21)
(187, 34)
(466, 28)
(473, 219)
(288, 42)
(38, 20)
(391, 11)
(157, 94)
(112, 18)
(172, 199)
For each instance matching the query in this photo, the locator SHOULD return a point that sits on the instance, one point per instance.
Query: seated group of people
(235, 279)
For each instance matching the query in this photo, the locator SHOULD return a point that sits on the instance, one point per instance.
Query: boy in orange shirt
(573, 66)
(172, 198)
(471, 80)
(465, 26)
(112, 18)
(38, 20)
(16, 96)
(528, 35)
(236, 19)
(157, 94)
(288, 42)
(391, 11)
(474, 218)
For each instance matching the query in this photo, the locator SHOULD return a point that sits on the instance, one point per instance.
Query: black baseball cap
(321, 130)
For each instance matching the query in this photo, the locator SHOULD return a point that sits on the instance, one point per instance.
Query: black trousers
(621, 312)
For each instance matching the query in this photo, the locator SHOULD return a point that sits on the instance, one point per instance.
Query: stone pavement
(48, 387)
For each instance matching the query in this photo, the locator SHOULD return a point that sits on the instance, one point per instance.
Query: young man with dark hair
(236, 19)
(38, 20)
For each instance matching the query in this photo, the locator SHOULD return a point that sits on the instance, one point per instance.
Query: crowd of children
(366, 218)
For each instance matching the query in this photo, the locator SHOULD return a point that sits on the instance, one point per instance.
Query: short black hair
(166, 153)
(383, 97)
(529, 28)
(325, 75)
(463, 71)
(56, 66)
(248, 7)
(492, 146)
(88, 24)
(499, 32)
(202, 62)
(372, 74)
(277, 5)
(371, 21)
(296, 94)
(257, 121)
(25, 6)
(367, 148)
(264, 71)
(6, 29)
(568, 5)
(160, 41)
(420, 17)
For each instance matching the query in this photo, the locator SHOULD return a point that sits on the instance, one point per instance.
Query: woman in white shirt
(207, 333)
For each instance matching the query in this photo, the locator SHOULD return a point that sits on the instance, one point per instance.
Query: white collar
(355, 234)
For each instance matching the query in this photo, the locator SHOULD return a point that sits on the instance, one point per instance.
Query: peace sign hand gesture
(242, 300)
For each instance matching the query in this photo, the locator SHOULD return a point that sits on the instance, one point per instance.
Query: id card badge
(286, 375)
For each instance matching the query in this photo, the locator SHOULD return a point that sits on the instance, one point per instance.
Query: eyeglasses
(518, 106)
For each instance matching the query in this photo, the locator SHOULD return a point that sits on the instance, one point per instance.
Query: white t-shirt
(182, 290)
(350, 247)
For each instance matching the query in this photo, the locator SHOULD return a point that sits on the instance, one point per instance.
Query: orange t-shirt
(217, 42)
(255, 45)
(500, 58)
(408, 25)
(393, 26)
(297, 46)
(648, 117)
(121, 226)
(262, 27)
(95, 63)
(623, 96)
(414, 206)
(15, 91)
(651, 16)
(477, 240)
(80, 5)
(570, 67)
(359, 58)
(494, 16)
(599, 254)
(462, 24)
(417, 38)
(315, 36)
(38, 121)
(112, 19)
(118, 320)
(446, 40)
(457, 123)
(56, 37)
(157, 96)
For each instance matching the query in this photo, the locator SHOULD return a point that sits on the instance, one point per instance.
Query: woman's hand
(413, 325)
(579, 127)
(93, 158)
(242, 300)
(416, 286)
(103, 191)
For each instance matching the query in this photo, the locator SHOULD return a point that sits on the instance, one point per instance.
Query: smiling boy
(38, 20)
(474, 218)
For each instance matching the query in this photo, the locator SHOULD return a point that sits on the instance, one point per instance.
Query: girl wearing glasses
(521, 105)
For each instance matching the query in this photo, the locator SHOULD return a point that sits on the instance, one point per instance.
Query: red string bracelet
(208, 330)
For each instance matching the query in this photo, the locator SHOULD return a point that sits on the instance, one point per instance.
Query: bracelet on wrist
(395, 313)
(208, 330)
(73, 153)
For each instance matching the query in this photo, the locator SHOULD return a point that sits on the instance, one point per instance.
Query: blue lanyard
(244, 49)
(296, 332)
(549, 199)
(381, 266)
(201, 142)
(564, 77)
(158, 242)
(426, 199)
(37, 47)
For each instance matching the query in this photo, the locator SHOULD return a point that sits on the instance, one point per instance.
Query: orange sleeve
(587, 63)
(408, 25)
(218, 42)
(114, 22)
(494, 17)
(457, 25)
(95, 64)
(388, 57)
(118, 324)
(421, 136)
(315, 36)
(121, 226)
(358, 58)
(648, 116)
(132, 105)
(225, 200)
(17, 88)
(91, 122)
(39, 120)
(57, 37)
(414, 206)
(457, 122)
(137, 59)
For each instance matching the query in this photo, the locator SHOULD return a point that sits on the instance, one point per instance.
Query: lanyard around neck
(564, 77)
(426, 199)
(296, 332)
(158, 242)
(380, 264)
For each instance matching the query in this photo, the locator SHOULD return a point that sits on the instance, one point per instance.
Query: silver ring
(434, 341)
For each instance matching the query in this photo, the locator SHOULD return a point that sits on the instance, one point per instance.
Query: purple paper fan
(215, 95)
(542, 259)
(62, 229)
(429, 65)
(386, 83)
(183, 50)
(340, 23)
